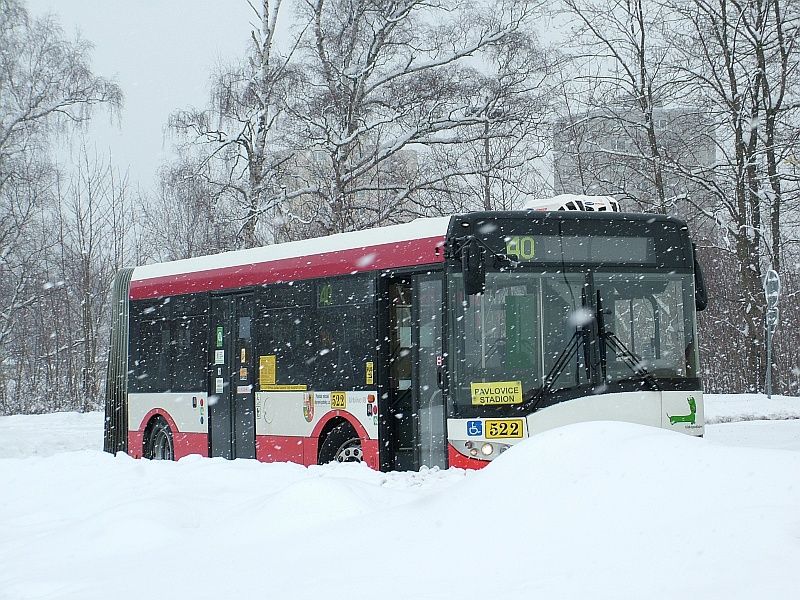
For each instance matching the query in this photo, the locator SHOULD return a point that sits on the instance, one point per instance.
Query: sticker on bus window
(284, 387)
(496, 393)
(370, 372)
(220, 331)
(219, 357)
(219, 385)
(266, 371)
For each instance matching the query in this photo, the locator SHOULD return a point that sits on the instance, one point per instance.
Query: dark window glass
(168, 344)
(359, 289)
(286, 295)
(345, 335)
(287, 333)
(189, 354)
(345, 341)
(321, 333)
(150, 369)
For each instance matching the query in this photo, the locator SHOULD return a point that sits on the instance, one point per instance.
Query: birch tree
(186, 216)
(46, 86)
(389, 81)
(239, 136)
(740, 61)
(623, 55)
(514, 103)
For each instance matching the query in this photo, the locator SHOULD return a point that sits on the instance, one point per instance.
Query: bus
(441, 342)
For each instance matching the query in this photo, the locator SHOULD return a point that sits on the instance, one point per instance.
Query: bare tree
(46, 86)
(627, 123)
(239, 136)
(737, 59)
(514, 101)
(389, 81)
(187, 216)
(46, 82)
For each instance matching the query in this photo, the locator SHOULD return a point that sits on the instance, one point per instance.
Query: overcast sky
(161, 53)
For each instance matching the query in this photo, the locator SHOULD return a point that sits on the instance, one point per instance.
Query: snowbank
(726, 408)
(596, 510)
(45, 435)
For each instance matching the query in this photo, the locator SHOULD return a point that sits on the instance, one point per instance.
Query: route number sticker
(503, 428)
(339, 400)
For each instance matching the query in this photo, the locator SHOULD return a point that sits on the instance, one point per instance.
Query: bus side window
(287, 333)
(189, 346)
(152, 352)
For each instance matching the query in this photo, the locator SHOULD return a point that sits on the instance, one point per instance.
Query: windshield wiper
(570, 350)
(608, 337)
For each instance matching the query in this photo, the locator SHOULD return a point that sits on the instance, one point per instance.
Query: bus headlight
(479, 449)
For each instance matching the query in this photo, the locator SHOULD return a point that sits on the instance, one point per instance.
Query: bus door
(414, 415)
(231, 407)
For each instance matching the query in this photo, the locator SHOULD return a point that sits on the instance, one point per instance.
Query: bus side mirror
(700, 292)
(473, 267)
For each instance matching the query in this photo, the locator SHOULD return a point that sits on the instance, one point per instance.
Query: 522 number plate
(503, 428)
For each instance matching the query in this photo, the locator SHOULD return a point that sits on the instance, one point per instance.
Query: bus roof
(419, 242)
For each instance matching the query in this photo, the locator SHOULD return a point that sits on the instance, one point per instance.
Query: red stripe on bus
(387, 256)
(183, 443)
(303, 451)
(459, 461)
(280, 448)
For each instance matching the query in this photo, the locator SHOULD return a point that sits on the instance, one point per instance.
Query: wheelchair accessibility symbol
(474, 428)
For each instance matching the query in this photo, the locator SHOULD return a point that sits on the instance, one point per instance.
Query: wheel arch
(149, 420)
(332, 420)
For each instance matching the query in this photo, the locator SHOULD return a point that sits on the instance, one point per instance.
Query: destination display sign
(654, 242)
(496, 393)
(571, 249)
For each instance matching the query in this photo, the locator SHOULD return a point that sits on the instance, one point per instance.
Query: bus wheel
(342, 444)
(158, 445)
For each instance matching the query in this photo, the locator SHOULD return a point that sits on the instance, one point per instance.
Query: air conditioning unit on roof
(574, 202)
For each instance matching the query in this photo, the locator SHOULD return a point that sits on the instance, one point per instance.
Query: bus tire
(342, 444)
(158, 442)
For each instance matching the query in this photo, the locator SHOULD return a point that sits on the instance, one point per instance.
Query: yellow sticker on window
(266, 371)
(339, 400)
(496, 393)
(284, 387)
(370, 372)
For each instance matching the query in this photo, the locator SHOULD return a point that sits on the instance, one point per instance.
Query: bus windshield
(526, 323)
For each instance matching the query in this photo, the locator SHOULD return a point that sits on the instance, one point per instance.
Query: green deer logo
(690, 418)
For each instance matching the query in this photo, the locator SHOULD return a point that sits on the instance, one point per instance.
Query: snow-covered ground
(597, 510)
(725, 408)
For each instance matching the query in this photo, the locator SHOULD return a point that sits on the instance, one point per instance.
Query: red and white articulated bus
(440, 342)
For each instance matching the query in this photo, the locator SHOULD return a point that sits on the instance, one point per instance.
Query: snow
(724, 408)
(600, 510)
(421, 228)
(45, 435)
(778, 435)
